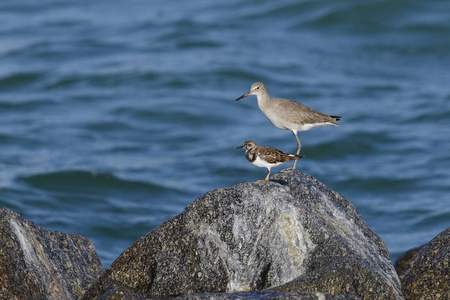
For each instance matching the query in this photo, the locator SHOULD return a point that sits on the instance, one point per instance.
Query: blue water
(116, 115)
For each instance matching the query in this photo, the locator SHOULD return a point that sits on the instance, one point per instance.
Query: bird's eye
(257, 87)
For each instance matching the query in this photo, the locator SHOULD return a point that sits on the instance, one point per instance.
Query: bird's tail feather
(338, 118)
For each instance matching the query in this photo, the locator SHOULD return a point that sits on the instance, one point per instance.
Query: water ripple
(75, 181)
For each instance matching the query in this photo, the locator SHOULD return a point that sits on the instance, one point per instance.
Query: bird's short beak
(243, 96)
(240, 147)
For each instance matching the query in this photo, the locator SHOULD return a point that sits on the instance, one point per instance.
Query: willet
(288, 114)
(266, 157)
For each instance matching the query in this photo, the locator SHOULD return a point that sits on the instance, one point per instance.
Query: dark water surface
(115, 115)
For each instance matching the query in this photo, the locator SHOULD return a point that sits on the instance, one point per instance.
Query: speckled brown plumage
(266, 157)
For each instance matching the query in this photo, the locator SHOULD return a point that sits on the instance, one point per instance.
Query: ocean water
(116, 115)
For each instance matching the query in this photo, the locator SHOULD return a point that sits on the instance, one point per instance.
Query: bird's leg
(267, 177)
(299, 146)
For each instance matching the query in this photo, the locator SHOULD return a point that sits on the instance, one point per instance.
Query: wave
(354, 17)
(21, 79)
(79, 180)
(351, 144)
(386, 185)
(432, 219)
(26, 105)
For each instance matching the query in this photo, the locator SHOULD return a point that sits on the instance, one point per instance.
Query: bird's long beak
(243, 96)
(240, 147)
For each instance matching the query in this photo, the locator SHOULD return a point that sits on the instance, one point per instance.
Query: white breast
(264, 164)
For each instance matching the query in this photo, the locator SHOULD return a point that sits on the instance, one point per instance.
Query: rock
(291, 234)
(266, 295)
(37, 263)
(427, 275)
(402, 262)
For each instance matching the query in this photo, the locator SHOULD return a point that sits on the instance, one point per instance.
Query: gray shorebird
(266, 157)
(288, 114)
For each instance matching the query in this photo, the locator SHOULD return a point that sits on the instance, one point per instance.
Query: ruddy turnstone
(266, 157)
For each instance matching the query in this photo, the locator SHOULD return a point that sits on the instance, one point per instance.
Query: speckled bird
(266, 157)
